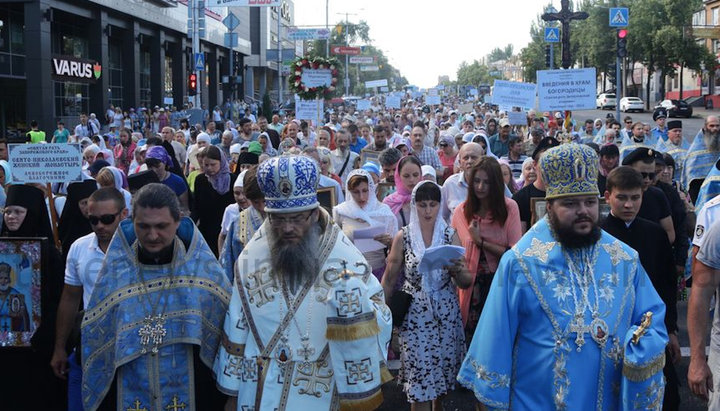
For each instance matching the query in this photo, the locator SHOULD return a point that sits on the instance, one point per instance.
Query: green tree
(532, 56)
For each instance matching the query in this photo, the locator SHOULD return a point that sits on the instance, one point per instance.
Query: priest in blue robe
(703, 152)
(564, 307)
(154, 321)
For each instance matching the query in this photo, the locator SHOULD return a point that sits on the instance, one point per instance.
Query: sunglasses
(650, 176)
(105, 219)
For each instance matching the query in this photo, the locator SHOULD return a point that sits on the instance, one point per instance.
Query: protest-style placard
(45, 163)
(513, 94)
(316, 78)
(392, 102)
(566, 89)
(517, 118)
(306, 109)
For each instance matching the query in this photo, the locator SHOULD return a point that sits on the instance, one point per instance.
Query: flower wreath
(302, 63)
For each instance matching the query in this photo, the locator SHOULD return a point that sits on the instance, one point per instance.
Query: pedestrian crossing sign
(618, 17)
(199, 61)
(552, 34)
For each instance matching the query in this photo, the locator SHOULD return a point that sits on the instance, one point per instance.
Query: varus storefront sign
(67, 68)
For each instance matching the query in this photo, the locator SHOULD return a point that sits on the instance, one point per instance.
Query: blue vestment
(628, 145)
(678, 153)
(709, 188)
(656, 134)
(192, 293)
(699, 160)
(524, 355)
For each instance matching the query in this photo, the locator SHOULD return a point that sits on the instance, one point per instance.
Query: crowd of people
(197, 265)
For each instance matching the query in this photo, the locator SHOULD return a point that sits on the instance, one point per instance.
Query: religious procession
(495, 247)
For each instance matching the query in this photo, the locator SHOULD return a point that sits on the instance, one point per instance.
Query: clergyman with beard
(703, 152)
(563, 305)
(307, 327)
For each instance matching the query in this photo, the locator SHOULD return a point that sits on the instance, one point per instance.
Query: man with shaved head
(455, 188)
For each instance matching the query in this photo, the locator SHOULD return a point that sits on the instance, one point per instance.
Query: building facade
(60, 58)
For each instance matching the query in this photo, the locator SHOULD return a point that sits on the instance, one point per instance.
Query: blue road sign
(619, 16)
(199, 61)
(231, 22)
(552, 34)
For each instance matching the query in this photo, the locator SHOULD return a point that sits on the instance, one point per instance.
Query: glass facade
(115, 75)
(145, 94)
(12, 43)
(71, 98)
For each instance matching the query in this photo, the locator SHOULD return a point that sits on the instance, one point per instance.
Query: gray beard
(712, 140)
(295, 263)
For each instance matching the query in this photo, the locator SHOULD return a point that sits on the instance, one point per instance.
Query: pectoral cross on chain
(153, 331)
(579, 328)
(306, 351)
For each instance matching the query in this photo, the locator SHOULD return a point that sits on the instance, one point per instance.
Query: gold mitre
(569, 170)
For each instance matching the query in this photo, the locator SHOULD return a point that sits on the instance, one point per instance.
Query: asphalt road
(463, 400)
(690, 125)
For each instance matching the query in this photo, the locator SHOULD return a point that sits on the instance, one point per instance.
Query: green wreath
(315, 63)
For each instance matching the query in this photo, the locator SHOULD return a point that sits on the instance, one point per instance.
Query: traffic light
(192, 84)
(622, 43)
(548, 56)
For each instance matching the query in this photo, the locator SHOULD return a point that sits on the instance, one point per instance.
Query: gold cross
(309, 374)
(174, 406)
(260, 287)
(137, 407)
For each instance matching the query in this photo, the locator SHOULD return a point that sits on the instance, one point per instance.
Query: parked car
(676, 108)
(605, 100)
(631, 104)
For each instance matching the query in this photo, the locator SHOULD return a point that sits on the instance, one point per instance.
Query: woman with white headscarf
(115, 178)
(432, 341)
(360, 210)
(232, 211)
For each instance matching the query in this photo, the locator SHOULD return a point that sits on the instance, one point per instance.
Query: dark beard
(295, 263)
(712, 140)
(569, 238)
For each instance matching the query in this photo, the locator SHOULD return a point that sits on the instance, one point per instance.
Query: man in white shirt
(106, 208)
(343, 159)
(455, 188)
(708, 214)
(85, 128)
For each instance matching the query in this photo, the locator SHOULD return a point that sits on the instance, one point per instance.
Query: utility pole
(196, 13)
(327, 27)
(347, 57)
(279, 60)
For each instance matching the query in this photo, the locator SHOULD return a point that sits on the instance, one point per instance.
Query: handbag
(399, 306)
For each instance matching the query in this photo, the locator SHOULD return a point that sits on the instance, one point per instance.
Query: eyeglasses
(628, 122)
(281, 221)
(105, 218)
(650, 176)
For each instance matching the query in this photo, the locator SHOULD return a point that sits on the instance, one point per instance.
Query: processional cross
(565, 16)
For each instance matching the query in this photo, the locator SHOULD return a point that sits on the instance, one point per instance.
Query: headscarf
(488, 150)
(269, 142)
(255, 148)
(203, 137)
(159, 153)
(373, 212)
(239, 180)
(97, 165)
(8, 173)
(119, 177)
(520, 182)
(72, 224)
(432, 280)
(37, 220)
(401, 196)
(85, 142)
(220, 182)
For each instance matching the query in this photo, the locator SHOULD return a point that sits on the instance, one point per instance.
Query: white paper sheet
(363, 238)
(437, 257)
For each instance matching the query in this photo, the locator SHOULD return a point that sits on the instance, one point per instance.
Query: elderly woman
(266, 144)
(112, 177)
(326, 164)
(360, 210)
(529, 175)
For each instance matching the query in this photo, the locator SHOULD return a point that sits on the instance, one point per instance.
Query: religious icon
(21, 265)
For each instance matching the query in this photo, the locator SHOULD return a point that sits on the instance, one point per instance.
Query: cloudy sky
(427, 39)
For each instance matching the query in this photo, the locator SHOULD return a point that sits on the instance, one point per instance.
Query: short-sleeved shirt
(709, 254)
(61, 136)
(231, 213)
(497, 146)
(176, 184)
(709, 214)
(83, 264)
(428, 157)
(655, 206)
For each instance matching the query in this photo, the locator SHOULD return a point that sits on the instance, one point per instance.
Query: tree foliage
(356, 34)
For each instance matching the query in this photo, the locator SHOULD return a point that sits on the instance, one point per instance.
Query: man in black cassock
(624, 194)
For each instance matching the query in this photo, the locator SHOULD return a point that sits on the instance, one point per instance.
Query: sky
(424, 39)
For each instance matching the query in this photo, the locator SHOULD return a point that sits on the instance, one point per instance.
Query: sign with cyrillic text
(513, 94)
(566, 89)
(45, 163)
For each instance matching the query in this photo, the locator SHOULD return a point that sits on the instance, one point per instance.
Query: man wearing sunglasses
(106, 208)
(655, 206)
(304, 303)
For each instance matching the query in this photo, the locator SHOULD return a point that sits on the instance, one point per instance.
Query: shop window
(115, 75)
(145, 95)
(71, 99)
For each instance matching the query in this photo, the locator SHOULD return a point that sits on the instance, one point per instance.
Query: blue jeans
(74, 384)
